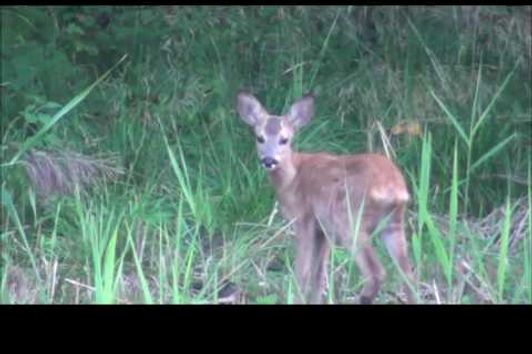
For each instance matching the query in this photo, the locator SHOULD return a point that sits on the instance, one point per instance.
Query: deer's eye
(283, 141)
(260, 139)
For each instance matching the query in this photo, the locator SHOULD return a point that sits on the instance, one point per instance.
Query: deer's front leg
(322, 251)
(305, 250)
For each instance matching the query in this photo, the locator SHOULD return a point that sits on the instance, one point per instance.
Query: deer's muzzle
(269, 163)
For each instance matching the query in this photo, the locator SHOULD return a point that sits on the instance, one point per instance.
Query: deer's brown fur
(340, 199)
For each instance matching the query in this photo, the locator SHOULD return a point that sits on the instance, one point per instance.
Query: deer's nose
(269, 162)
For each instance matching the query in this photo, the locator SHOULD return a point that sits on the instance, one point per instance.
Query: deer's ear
(302, 111)
(250, 109)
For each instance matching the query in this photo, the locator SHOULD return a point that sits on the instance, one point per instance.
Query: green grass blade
(527, 259)
(109, 269)
(7, 202)
(62, 112)
(180, 170)
(493, 151)
(475, 98)
(144, 286)
(323, 49)
(502, 269)
(453, 214)
(486, 111)
(452, 118)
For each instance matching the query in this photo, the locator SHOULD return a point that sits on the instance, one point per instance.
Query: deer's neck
(285, 181)
(284, 175)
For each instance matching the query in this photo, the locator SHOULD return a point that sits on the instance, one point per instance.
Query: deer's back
(329, 185)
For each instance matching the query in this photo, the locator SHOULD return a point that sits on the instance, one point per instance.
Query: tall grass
(191, 218)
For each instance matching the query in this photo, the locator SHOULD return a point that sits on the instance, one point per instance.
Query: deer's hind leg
(371, 269)
(394, 238)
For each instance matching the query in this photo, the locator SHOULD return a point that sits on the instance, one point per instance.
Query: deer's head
(274, 133)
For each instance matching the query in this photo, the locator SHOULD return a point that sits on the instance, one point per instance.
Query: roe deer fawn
(324, 193)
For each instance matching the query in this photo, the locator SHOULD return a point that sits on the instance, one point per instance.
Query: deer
(328, 197)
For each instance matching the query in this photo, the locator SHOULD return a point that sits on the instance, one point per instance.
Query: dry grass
(62, 172)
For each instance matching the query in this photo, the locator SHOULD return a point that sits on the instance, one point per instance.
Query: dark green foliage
(370, 67)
